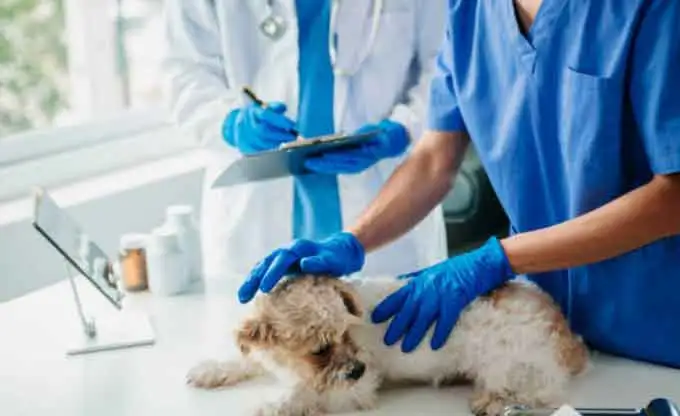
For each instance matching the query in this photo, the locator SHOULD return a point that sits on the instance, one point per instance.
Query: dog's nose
(358, 369)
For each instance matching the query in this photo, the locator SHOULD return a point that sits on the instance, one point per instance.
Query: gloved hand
(254, 129)
(391, 142)
(439, 294)
(338, 255)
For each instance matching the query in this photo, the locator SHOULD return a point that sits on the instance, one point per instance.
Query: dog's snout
(356, 371)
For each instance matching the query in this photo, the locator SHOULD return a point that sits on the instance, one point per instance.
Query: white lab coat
(215, 47)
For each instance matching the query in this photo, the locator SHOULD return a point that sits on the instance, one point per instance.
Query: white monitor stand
(117, 330)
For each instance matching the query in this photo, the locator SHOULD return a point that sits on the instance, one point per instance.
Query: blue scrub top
(582, 109)
(316, 198)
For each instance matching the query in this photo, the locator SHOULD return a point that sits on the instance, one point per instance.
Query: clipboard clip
(323, 139)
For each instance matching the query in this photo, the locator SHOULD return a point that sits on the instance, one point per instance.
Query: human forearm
(635, 219)
(416, 187)
(409, 195)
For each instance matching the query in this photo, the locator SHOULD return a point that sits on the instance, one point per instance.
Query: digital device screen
(64, 234)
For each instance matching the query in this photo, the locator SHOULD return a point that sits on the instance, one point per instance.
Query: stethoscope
(274, 27)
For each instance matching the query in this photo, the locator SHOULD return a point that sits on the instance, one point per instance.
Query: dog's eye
(322, 350)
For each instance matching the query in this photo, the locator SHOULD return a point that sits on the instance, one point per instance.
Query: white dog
(315, 335)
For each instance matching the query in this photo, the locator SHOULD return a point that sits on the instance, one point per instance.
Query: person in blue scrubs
(574, 109)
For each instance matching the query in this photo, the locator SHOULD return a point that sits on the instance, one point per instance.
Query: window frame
(57, 156)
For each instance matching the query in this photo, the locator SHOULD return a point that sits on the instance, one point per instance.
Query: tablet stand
(119, 330)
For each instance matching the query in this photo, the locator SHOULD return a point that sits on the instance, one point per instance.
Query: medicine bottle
(181, 219)
(132, 259)
(168, 270)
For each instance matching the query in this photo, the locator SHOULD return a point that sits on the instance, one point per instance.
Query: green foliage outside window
(33, 64)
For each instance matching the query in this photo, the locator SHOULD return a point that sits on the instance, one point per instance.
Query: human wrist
(354, 249)
(492, 260)
(353, 241)
(359, 237)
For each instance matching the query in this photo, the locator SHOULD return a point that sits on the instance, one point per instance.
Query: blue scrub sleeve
(443, 111)
(655, 84)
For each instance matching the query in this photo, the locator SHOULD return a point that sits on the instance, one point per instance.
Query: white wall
(28, 262)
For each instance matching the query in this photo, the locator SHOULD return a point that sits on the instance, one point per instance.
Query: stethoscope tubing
(332, 45)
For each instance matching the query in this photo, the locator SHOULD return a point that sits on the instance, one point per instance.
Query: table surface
(37, 378)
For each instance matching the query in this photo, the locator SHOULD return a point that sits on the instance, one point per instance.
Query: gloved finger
(249, 287)
(278, 268)
(268, 134)
(390, 305)
(258, 124)
(366, 128)
(375, 148)
(287, 262)
(377, 141)
(427, 313)
(333, 164)
(320, 166)
(277, 107)
(304, 248)
(316, 264)
(448, 315)
(403, 320)
(249, 146)
(274, 119)
(409, 275)
(255, 132)
(347, 155)
(273, 137)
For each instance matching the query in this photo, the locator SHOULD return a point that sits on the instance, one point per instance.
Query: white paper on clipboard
(288, 160)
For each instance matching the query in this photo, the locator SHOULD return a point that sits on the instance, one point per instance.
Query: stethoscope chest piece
(273, 26)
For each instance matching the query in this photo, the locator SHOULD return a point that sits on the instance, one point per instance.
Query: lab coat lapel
(353, 26)
(351, 30)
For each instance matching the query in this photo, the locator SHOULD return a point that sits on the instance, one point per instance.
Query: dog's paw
(206, 374)
(269, 409)
(367, 404)
(211, 374)
(483, 403)
(282, 409)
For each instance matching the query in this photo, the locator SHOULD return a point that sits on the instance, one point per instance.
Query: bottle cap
(179, 210)
(180, 216)
(133, 241)
(164, 239)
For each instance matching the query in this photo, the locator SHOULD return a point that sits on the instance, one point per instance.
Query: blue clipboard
(289, 160)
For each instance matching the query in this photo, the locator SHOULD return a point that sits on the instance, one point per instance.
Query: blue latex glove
(253, 128)
(439, 294)
(391, 142)
(338, 255)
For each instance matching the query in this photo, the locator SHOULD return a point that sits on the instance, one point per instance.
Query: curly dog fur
(315, 335)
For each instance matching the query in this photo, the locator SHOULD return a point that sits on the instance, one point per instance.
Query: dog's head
(303, 327)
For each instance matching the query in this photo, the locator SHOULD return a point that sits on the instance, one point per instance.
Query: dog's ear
(255, 332)
(351, 303)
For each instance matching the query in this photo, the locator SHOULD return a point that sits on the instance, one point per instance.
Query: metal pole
(88, 324)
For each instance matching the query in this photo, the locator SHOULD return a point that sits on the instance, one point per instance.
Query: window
(77, 74)
(33, 61)
(66, 62)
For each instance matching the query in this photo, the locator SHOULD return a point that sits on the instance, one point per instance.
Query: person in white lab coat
(374, 72)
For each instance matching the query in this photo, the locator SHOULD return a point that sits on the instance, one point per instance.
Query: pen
(247, 91)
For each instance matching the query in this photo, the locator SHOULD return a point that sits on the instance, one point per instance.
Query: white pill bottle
(167, 268)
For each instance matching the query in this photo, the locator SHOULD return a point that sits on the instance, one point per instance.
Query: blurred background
(63, 62)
